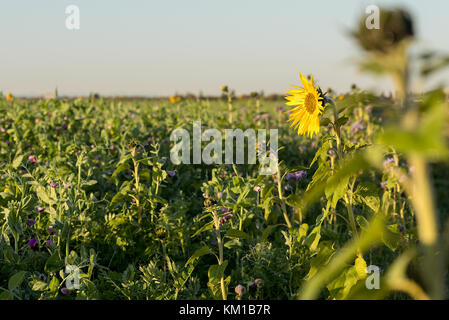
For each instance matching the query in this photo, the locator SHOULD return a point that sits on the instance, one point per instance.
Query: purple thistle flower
(53, 185)
(240, 290)
(368, 108)
(58, 128)
(31, 222)
(3, 130)
(257, 189)
(92, 146)
(171, 173)
(51, 230)
(65, 291)
(299, 175)
(279, 108)
(357, 127)
(32, 160)
(225, 209)
(111, 147)
(49, 243)
(33, 244)
(226, 218)
(47, 163)
(388, 161)
(383, 184)
(77, 154)
(7, 142)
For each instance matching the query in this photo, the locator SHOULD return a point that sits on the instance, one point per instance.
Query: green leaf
(6, 295)
(302, 231)
(321, 259)
(324, 122)
(53, 263)
(16, 280)
(208, 226)
(39, 286)
(17, 161)
(393, 238)
(54, 285)
(42, 194)
(234, 233)
(340, 287)
(313, 238)
(267, 232)
(367, 194)
(90, 183)
(341, 121)
(199, 253)
(362, 222)
(336, 189)
(121, 167)
(215, 273)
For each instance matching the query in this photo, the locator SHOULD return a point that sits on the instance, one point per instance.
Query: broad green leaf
(16, 280)
(234, 233)
(199, 253)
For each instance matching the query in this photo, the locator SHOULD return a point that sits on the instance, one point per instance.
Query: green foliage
(105, 198)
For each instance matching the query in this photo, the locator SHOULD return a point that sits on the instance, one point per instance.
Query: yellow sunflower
(309, 105)
(9, 97)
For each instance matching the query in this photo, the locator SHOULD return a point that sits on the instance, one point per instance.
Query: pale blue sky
(167, 46)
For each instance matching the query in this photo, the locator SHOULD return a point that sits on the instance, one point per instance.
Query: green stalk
(281, 198)
(427, 226)
(220, 252)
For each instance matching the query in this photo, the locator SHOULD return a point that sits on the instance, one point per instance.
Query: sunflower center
(310, 102)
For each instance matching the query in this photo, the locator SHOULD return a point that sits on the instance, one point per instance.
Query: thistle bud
(395, 25)
(240, 290)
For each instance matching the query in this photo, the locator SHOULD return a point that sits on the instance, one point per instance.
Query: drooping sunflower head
(309, 104)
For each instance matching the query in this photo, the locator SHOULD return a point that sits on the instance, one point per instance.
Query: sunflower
(9, 97)
(309, 102)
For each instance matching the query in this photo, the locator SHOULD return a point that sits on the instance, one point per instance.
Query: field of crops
(92, 207)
